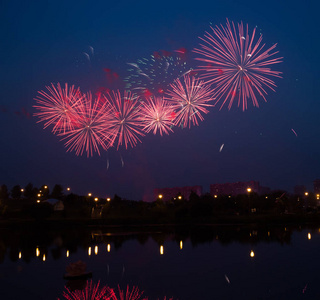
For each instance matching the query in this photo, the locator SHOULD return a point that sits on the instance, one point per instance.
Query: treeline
(30, 202)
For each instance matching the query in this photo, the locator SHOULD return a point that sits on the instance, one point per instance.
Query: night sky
(44, 42)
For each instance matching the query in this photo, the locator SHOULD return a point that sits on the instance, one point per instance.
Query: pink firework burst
(157, 115)
(90, 127)
(56, 107)
(189, 97)
(124, 119)
(237, 65)
(91, 292)
(134, 294)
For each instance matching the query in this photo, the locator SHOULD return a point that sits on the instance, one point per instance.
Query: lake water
(207, 262)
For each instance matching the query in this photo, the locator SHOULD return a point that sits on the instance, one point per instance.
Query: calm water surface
(201, 263)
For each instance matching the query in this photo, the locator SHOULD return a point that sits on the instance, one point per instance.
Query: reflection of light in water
(67, 254)
(181, 244)
(19, 254)
(309, 236)
(44, 257)
(268, 233)
(89, 251)
(96, 250)
(251, 253)
(37, 251)
(161, 249)
(108, 247)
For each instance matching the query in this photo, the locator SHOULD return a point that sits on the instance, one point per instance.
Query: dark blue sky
(44, 41)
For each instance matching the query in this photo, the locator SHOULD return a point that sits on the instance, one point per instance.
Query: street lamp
(249, 190)
(108, 199)
(89, 194)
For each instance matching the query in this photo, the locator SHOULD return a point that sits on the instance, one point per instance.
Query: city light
(96, 249)
(38, 201)
(45, 187)
(89, 251)
(179, 197)
(251, 253)
(37, 252)
(89, 194)
(108, 199)
(96, 199)
(318, 196)
(44, 257)
(68, 189)
(160, 196)
(161, 250)
(39, 195)
(216, 196)
(306, 193)
(181, 245)
(67, 254)
(248, 190)
(20, 255)
(309, 236)
(22, 190)
(108, 247)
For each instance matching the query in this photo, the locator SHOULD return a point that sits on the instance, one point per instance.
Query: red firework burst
(157, 115)
(189, 97)
(124, 119)
(91, 292)
(237, 65)
(91, 127)
(57, 107)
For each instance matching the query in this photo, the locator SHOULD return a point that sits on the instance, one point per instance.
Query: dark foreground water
(231, 262)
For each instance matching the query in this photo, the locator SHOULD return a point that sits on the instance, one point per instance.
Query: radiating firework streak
(189, 97)
(237, 65)
(124, 119)
(91, 292)
(156, 115)
(134, 294)
(56, 107)
(91, 127)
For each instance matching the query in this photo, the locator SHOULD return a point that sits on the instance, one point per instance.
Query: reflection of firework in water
(134, 294)
(237, 65)
(152, 76)
(157, 115)
(189, 97)
(56, 107)
(124, 119)
(90, 129)
(91, 292)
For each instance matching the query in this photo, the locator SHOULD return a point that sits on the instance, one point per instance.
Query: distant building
(299, 190)
(237, 188)
(167, 194)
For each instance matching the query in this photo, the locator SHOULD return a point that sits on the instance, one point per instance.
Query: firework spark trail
(57, 107)
(294, 132)
(156, 115)
(190, 97)
(91, 128)
(124, 119)
(237, 65)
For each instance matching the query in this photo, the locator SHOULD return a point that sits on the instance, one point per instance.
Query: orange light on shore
(89, 251)
(108, 247)
(181, 245)
(309, 236)
(37, 252)
(251, 253)
(161, 250)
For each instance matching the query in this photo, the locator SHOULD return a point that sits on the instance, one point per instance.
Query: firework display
(57, 107)
(237, 65)
(91, 292)
(162, 92)
(157, 115)
(124, 119)
(90, 127)
(190, 97)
